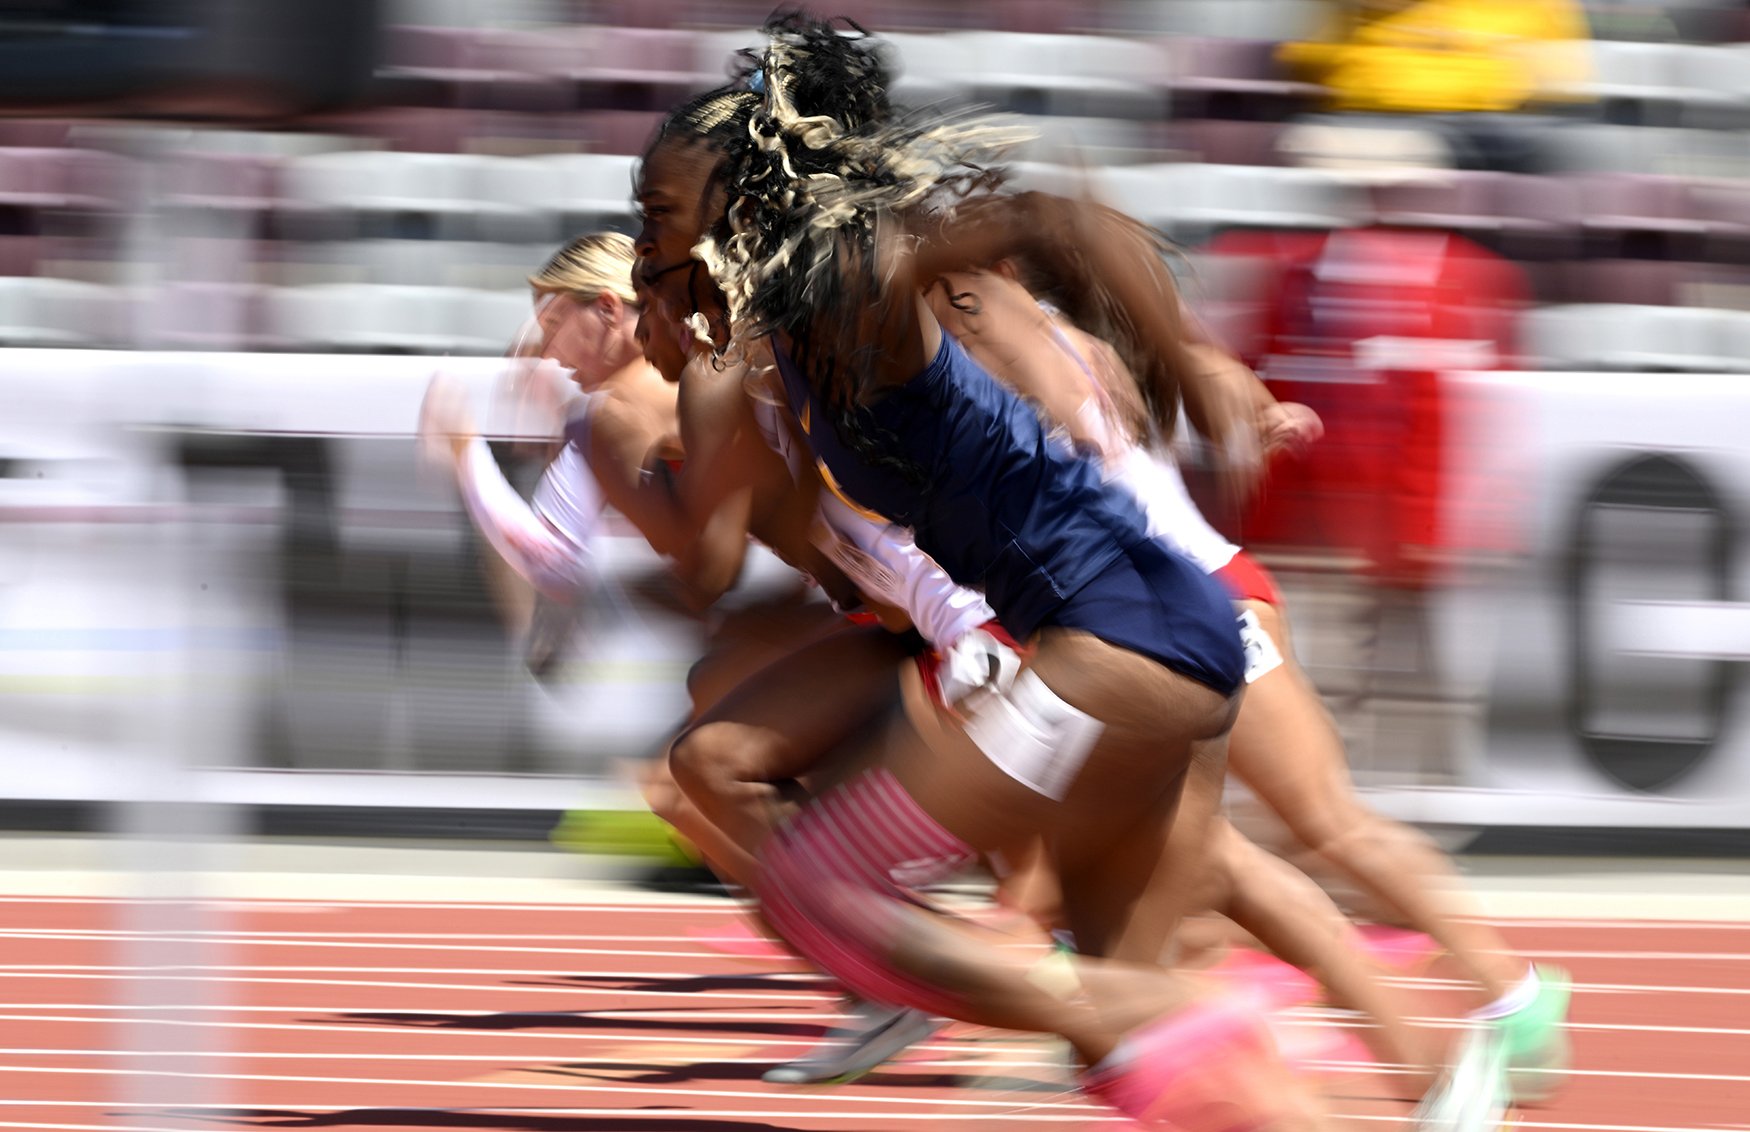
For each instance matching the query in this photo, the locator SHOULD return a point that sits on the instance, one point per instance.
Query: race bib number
(1262, 655)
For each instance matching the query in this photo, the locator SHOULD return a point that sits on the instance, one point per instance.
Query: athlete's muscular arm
(626, 443)
(1275, 425)
(1105, 269)
(542, 555)
(716, 486)
(1001, 325)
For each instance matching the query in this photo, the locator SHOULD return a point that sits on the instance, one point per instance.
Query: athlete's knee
(1225, 870)
(711, 759)
(663, 796)
(1348, 829)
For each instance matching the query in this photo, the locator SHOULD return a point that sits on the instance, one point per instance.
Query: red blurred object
(1361, 325)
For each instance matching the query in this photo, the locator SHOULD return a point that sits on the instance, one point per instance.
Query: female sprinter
(1284, 746)
(811, 232)
(814, 689)
(618, 438)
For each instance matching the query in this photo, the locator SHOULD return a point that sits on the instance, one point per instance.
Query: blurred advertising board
(237, 557)
(1599, 605)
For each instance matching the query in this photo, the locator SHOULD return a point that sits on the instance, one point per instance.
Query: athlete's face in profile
(678, 198)
(660, 336)
(577, 333)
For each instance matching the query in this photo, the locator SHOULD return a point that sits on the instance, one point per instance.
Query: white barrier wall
(238, 557)
(1608, 644)
(235, 556)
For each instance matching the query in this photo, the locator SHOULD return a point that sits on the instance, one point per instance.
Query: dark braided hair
(822, 174)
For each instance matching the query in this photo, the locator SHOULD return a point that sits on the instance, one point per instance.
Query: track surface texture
(591, 1017)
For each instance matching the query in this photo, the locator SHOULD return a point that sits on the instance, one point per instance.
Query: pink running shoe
(1211, 1067)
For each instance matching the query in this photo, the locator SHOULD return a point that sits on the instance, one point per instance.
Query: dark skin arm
(734, 486)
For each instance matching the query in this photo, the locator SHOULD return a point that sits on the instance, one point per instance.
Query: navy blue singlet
(1003, 508)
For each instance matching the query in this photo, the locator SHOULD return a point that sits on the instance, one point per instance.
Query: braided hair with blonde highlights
(822, 178)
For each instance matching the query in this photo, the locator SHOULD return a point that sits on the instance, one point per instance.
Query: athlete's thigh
(1285, 745)
(750, 639)
(801, 706)
(1128, 730)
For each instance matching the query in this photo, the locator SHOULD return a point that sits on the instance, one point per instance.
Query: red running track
(601, 1018)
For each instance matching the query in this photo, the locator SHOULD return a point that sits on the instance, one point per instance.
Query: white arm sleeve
(887, 565)
(549, 559)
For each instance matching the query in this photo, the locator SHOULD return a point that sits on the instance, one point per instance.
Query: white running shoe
(876, 1034)
(1471, 1096)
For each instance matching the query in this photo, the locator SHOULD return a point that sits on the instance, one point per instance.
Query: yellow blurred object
(623, 833)
(1446, 56)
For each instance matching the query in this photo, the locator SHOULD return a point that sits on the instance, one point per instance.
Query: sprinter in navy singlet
(1004, 508)
(794, 208)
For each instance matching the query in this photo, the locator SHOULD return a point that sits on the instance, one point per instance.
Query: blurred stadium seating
(500, 128)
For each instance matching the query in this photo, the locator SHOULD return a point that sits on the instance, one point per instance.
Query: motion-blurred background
(1502, 246)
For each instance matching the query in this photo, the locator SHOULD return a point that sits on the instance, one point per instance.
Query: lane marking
(581, 991)
(219, 937)
(113, 933)
(729, 1094)
(681, 902)
(368, 940)
(1425, 983)
(1300, 1016)
(566, 1059)
(1363, 1067)
(659, 902)
(945, 1044)
(1033, 1113)
(193, 972)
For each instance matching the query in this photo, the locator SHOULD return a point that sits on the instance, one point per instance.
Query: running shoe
(874, 1036)
(1471, 1096)
(1190, 1070)
(1535, 1039)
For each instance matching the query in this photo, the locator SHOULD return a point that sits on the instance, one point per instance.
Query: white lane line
(800, 978)
(730, 1094)
(1033, 1113)
(552, 937)
(1518, 1122)
(1303, 1016)
(1324, 1016)
(1660, 956)
(1364, 1067)
(581, 991)
(680, 902)
(664, 903)
(183, 937)
(382, 942)
(20, 970)
(1623, 925)
(1600, 988)
(661, 1015)
(564, 1059)
(946, 1044)
(573, 1057)
(199, 973)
